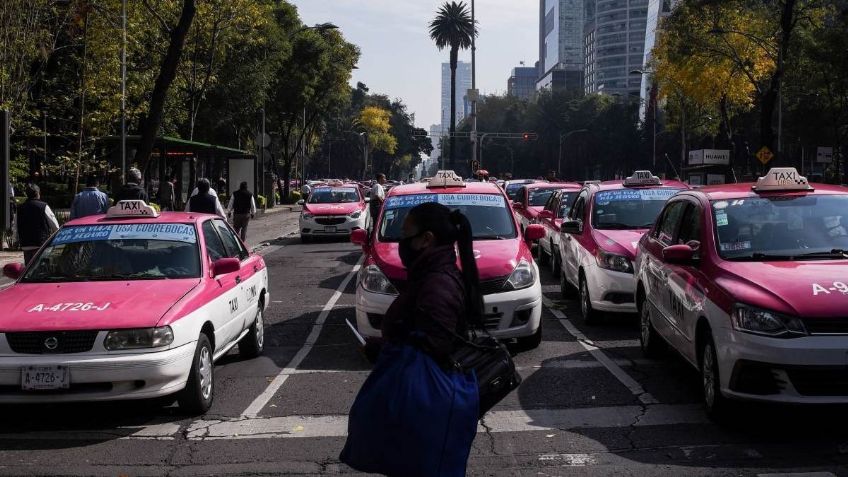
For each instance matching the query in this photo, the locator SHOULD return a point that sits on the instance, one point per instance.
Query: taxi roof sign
(782, 178)
(642, 178)
(445, 179)
(131, 208)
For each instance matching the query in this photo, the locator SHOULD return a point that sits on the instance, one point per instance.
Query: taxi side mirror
(223, 266)
(679, 254)
(360, 237)
(546, 214)
(534, 232)
(13, 270)
(572, 226)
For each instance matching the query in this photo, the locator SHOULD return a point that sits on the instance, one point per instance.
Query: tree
(375, 123)
(452, 28)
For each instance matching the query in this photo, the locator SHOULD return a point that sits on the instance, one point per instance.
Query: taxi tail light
(139, 338)
(757, 321)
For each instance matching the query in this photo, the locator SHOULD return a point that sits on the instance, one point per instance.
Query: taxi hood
(89, 305)
(801, 288)
(495, 258)
(621, 242)
(332, 209)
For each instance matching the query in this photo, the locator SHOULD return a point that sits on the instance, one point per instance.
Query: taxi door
(250, 276)
(658, 286)
(569, 242)
(551, 235)
(225, 309)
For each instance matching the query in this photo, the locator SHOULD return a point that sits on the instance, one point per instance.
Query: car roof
(554, 185)
(745, 190)
(163, 218)
(619, 184)
(470, 188)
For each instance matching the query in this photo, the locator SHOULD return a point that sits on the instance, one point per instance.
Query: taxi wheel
(716, 405)
(590, 315)
(566, 289)
(197, 396)
(253, 342)
(651, 342)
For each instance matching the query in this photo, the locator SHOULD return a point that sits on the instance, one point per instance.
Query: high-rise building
(463, 84)
(436, 139)
(560, 44)
(657, 11)
(613, 45)
(522, 82)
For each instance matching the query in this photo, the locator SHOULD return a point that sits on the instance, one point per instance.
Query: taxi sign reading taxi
(765, 155)
(446, 179)
(131, 208)
(642, 178)
(782, 178)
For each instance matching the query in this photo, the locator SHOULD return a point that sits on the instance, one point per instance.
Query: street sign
(824, 155)
(719, 157)
(765, 155)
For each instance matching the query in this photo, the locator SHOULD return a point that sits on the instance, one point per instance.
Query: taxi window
(145, 251)
(690, 228)
(538, 197)
(566, 200)
(489, 215)
(578, 210)
(333, 195)
(214, 247)
(231, 243)
(514, 191)
(627, 209)
(670, 222)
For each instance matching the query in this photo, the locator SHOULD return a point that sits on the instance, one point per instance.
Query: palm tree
(452, 28)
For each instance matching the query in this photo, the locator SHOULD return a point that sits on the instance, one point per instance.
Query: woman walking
(416, 415)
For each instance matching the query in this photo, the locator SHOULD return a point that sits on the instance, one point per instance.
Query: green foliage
(262, 202)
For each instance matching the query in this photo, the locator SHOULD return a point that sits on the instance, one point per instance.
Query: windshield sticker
(627, 195)
(721, 219)
(735, 246)
(721, 205)
(836, 287)
(42, 307)
(91, 233)
(408, 201)
(480, 200)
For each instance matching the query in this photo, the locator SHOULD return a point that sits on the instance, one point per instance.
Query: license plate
(330, 230)
(34, 378)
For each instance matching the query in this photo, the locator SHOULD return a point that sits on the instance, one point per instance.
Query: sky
(399, 59)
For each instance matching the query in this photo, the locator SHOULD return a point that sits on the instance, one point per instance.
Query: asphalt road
(589, 404)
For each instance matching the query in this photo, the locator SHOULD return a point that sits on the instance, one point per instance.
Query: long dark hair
(449, 228)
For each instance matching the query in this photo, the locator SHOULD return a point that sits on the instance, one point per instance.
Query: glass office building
(463, 84)
(560, 44)
(657, 10)
(613, 45)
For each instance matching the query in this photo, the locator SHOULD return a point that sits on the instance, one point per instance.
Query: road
(589, 404)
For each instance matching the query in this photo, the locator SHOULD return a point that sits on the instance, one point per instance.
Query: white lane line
(569, 460)
(162, 432)
(262, 400)
(598, 354)
(524, 420)
(800, 474)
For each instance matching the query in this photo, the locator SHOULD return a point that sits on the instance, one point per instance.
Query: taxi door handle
(238, 279)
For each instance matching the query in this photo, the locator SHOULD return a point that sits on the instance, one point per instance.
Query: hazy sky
(399, 59)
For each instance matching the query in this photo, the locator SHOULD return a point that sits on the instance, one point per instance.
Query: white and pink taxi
(333, 210)
(129, 305)
(509, 277)
(599, 237)
(749, 283)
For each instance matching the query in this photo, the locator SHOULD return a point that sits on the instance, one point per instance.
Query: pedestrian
(377, 195)
(132, 189)
(167, 195)
(211, 189)
(222, 184)
(36, 222)
(243, 208)
(204, 202)
(416, 414)
(90, 201)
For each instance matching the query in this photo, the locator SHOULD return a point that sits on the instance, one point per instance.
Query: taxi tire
(253, 343)
(526, 343)
(590, 315)
(191, 398)
(716, 406)
(652, 345)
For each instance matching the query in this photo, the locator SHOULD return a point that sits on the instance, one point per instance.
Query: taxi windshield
(806, 227)
(488, 213)
(539, 197)
(328, 195)
(118, 252)
(625, 209)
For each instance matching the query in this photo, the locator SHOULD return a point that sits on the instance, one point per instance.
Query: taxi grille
(826, 326)
(487, 287)
(329, 220)
(819, 381)
(51, 342)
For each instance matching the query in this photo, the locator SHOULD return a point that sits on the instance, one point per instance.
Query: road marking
(586, 364)
(166, 431)
(262, 400)
(800, 474)
(570, 460)
(524, 420)
(598, 354)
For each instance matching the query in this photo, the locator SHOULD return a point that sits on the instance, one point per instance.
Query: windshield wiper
(760, 256)
(835, 253)
(131, 276)
(616, 226)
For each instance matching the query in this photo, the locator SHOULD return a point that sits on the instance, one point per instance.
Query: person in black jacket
(204, 202)
(36, 223)
(243, 208)
(132, 190)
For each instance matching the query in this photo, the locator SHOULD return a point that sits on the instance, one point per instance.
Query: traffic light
(525, 137)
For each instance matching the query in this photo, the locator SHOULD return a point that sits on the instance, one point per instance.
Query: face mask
(408, 255)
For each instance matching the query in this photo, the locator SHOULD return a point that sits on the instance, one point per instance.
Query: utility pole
(5, 180)
(123, 90)
(474, 144)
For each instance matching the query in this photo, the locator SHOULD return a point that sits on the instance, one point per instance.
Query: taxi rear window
(488, 213)
(118, 252)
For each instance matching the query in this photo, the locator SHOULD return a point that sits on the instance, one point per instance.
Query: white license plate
(35, 378)
(330, 230)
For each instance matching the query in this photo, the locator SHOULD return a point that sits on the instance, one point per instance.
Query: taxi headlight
(523, 276)
(614, 262)
(766, 323)
(139, 338)
(306, 216)
(374, 281)
(356, 214)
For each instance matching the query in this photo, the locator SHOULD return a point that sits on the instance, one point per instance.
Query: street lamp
(654, 107)
(562, 138)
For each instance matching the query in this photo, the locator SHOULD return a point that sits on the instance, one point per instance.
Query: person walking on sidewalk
(36, 222)
(167, 195)
(204, 202)
(378, 195)
(132, 190)
(91, 201)
(243, 208)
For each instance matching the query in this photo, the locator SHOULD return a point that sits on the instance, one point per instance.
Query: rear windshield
(514, 191)
(118, 252)
(539, 197)
(624, 209)
(488, 213)
(333, 195)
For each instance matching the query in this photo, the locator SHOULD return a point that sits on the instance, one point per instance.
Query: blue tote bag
(411, 418)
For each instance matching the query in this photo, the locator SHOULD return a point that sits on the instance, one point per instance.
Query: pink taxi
(509, 278)
(333, 210)
(128, 305)
(551, 217)
(749, 283)
(533, 197)
(599, 238)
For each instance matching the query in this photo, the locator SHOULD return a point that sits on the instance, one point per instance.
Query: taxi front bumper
(811, 369)
(331, 226)
(98, 377)
(611, 291)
